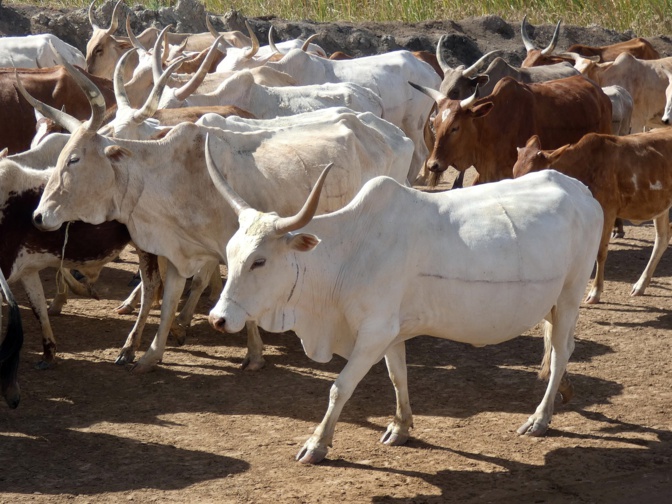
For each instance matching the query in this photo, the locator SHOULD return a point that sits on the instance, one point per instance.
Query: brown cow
(52, 86)
(485, 132)
(631, 177)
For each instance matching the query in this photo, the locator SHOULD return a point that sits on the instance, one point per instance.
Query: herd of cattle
(193, 146)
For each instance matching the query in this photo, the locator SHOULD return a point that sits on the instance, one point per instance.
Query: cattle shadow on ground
(70, 462)
(639, 473)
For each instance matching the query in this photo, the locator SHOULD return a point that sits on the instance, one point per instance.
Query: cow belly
(477, 312)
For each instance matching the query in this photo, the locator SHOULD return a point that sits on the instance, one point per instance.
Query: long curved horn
(93, 23)
(211, 28)
(166, 49)
(467, 103)
(529, 45)
(306, 44)
(157, 55)
(152, 103)
(114, 24)
(65, 120)
(439, 55)
(118, 80)
(556, 34)
(91, 91)
(435, 95)
(271, 42)
(131, 36)
(471, 71)
(237, 203)
(255, 42)
(195, 81)
(288, 224)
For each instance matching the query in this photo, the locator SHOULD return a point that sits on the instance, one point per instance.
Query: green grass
(644, 18)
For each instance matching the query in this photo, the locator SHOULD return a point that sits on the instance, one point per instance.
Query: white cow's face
(83, 184)
(263, 275)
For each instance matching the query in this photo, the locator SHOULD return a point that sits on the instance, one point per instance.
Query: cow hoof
(141, 368)
(179, 333)
(533, 428)
(312, 455)
(592, 299)
(124, 309)
(13, 397)
(43, 364)
(54, 311)
(253, 363)
(125, 358)
(618, 234)
(394, 437)
(637, 290)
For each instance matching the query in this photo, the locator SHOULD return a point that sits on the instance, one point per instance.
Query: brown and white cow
(485, 132)
(631, 177)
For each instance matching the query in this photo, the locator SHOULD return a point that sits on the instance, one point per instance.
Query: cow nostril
(37, 219)
(666, 121)
(219, 323)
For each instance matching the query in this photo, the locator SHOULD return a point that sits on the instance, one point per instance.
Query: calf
(631, 177)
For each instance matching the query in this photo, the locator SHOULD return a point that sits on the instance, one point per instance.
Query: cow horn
(467, 103)
(288, 224)
(93, 23)
(435, 95)
(237, 203)
(114, 24)
(271, 42)
(152, 103)
(157, 56)
(554, 41)
(211, 28)
(67, 121)
(255, 42)
(306, 44)
(471, 71)
(439, 55)
(118, 80)
(529, 45)
(166, 49)
(131, 36)
(185, 91)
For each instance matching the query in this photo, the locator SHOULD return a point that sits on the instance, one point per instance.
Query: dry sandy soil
(198, 429)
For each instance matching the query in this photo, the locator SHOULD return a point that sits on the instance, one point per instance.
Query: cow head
(668, 98)
(531, 158)
(536, 56)
(103, 50)
(456, 131)
(86, 170)
(459, 83)
(262, 260)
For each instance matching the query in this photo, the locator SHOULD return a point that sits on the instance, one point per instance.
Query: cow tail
(545, 371)
(10, 348)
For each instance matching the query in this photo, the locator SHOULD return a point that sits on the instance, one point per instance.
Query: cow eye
(99, 50)
(73, 159)
(258, 264)
(454, 129)
(454, 94)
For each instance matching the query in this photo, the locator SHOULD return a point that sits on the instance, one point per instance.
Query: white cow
(481, 266)
(162, 192)
(37, 51)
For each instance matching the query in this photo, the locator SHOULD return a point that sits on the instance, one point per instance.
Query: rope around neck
(60, 280)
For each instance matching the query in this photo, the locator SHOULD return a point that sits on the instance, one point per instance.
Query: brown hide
(487, 134)
(630, 176)
(52, 86)
(640, 48)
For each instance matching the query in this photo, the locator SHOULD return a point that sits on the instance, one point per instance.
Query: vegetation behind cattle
(642, 17)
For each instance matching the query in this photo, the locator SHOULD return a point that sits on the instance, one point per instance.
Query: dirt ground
(198, 429)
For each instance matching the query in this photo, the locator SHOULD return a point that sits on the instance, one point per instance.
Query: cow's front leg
(198, 285)
(662, 226)
(172, 291)
(369, 349)
(33, 286)
(398, 431)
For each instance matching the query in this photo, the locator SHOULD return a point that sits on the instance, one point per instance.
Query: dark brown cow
(53, 86)
(631, 177)
(485, 132)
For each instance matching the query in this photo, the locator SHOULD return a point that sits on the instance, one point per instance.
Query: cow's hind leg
(598, 282)
(662, 226)
(398, 431)
(33, 286)
(559, 344)
(254, 360)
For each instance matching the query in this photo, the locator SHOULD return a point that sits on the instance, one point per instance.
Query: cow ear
(533, 142)
(481, 110)
(4, 152)
(116, 152)
(481, 80)
(303, 242)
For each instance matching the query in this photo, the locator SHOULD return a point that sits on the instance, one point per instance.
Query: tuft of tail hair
(545, 371)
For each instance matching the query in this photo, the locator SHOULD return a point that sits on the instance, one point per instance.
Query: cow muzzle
(218, 323)
(433, 165)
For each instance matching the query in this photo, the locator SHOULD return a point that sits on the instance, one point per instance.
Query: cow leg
(559, 344)
(598, 282)
(662, 226)
(398, 431)
(216, 285)
(61, 297)
(33, 287)
(172, 291)
(198, 285)
(618, 231)
(369, 349)
(129, 304)
(149, 286)
(254, 360)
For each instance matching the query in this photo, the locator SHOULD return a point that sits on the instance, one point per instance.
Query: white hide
(35, 51)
